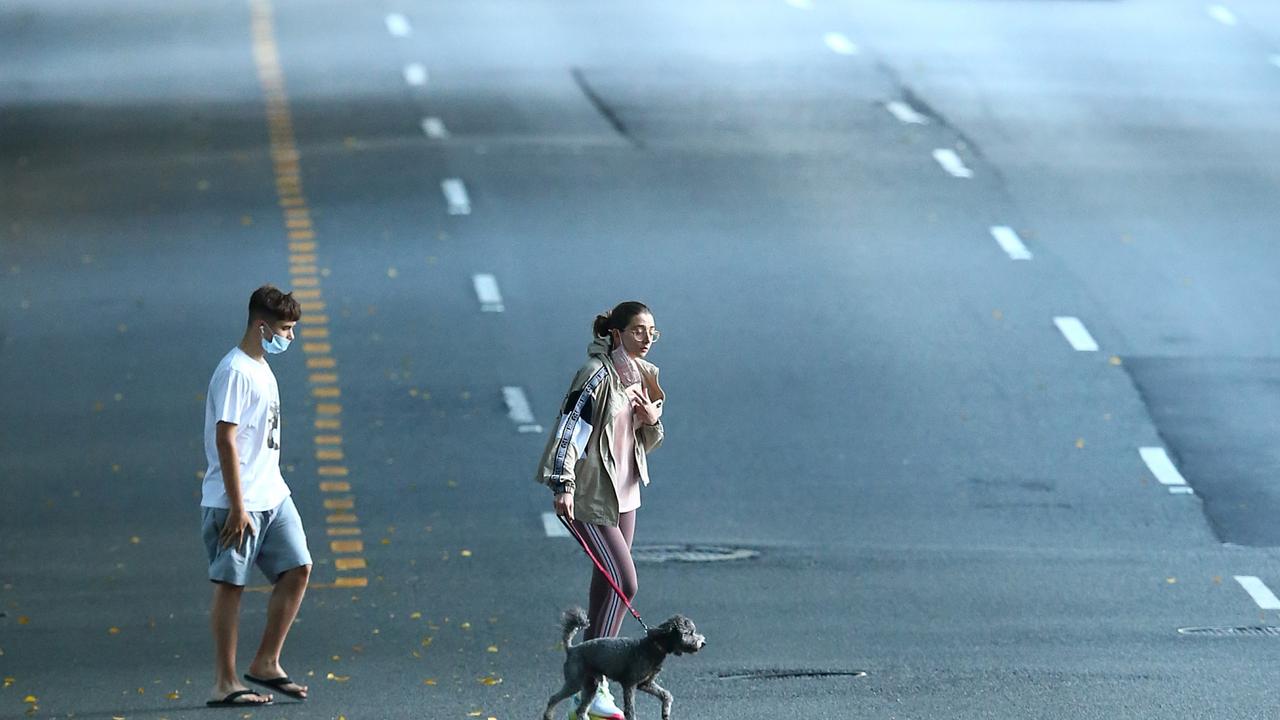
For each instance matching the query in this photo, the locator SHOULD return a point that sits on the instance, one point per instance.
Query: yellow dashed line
(304, 269)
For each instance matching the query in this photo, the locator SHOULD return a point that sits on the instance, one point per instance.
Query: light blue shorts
(277, 545)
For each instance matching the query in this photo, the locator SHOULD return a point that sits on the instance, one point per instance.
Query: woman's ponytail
(618, 318)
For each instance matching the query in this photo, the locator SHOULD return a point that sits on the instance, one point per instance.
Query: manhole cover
(689, 553)
(1255, 631)
(786, 674)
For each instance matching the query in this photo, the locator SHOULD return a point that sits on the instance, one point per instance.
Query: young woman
(596, 460)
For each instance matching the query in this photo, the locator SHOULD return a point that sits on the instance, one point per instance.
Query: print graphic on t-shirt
(273, 427)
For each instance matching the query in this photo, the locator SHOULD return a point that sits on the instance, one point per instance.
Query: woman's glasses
(642, 333)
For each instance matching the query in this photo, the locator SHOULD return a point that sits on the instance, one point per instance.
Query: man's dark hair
(269, 303)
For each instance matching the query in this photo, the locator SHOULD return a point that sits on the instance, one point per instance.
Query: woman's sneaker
(602, 706)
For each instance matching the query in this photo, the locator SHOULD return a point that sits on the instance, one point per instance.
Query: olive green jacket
(579, 453)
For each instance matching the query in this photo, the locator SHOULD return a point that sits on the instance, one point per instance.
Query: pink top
(626, 481)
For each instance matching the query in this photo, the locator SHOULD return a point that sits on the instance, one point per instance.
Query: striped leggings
(612, 547)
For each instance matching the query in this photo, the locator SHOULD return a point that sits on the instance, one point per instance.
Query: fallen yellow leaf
(490, 680)
(337, 678)
(8, 682)
(113, 631)
(416, 616)
(429, 681)
(466, 626)
(492, 648)
(173, 695)
(466, 553)
(31, 699)
(426, 641)
(135, 540)
(1080, 443)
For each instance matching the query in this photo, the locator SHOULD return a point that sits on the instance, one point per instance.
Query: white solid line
(1181, 490)
(1161, 466)
(487, 292)
(1221, 14)
(415, 74)
(905, 113)
(1260, 593)
(1010, 242)
(455, 193)
(1076, 334)
(551, 524)
(952, 163)
(434, 128)
(800, 4)
(840, 44)
(398, 25)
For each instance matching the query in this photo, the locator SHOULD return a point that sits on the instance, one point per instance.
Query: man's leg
(224, 619)
(282, 609)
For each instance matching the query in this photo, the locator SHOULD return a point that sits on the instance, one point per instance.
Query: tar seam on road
(603, 108)
(342, 524)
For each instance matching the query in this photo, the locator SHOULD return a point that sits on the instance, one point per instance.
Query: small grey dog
(633, 662)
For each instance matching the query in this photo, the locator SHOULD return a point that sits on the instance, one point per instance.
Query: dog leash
(621, 595)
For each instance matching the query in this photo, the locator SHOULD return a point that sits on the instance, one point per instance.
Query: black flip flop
(230, 700)
(277, 684)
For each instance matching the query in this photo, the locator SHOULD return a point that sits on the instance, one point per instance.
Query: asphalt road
(865, 386)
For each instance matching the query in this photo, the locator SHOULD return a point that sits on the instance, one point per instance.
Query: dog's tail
(573, 620)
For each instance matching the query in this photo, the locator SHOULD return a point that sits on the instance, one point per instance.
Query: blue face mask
(276, 345)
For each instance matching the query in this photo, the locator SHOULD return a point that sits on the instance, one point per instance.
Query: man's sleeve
(229, 393)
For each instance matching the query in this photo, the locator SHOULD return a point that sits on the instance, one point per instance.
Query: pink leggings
(612, 547)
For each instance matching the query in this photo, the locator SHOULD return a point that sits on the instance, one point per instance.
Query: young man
(249, 517)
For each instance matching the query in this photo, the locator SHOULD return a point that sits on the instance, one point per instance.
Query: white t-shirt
(243, 392)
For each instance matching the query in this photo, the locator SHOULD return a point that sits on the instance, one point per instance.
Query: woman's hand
(563, 505)
(647, 412)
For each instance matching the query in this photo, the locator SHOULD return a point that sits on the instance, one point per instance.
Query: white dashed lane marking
(551, 524)
(952, 163)
(1076, 334)
(398, 25)
(1259, 591)
(840, 44)
(518, 409)
(487, 293)
(1010, 242)
(1160, 465)
(433, 127)
(455, 194)
(905, 113)
(415, 74)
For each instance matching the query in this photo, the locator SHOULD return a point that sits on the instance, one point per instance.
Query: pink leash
(621, 595)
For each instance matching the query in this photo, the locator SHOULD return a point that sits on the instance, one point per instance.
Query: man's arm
(229, 459)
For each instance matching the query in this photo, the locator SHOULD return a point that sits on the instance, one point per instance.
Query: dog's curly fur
(632, 662)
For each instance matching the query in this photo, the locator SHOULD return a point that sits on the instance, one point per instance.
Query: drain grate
(690, 553)
(1254, 631)
(788, 674)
